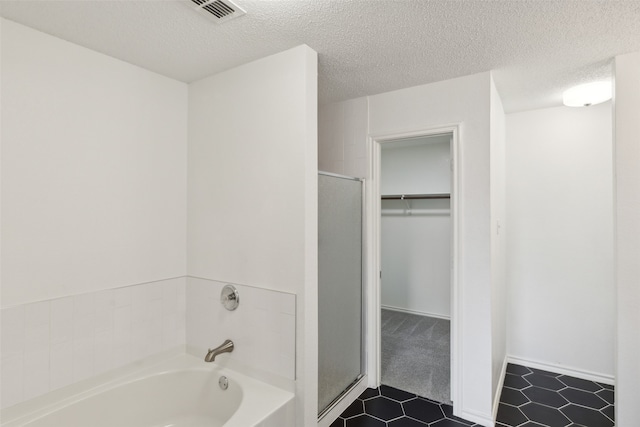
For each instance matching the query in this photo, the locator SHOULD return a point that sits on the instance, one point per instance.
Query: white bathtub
(180, 392)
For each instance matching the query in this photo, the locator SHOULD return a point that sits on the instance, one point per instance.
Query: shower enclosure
(340, 295)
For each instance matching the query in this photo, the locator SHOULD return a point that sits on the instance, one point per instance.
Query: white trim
(344, 402)
(457, 311)
(420, 313)
(373, 266)
(564, 370)
(496, 397)
(477, 418)
(374, 262)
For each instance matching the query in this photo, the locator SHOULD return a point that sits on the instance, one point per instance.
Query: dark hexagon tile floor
(530, 398)
(390, 407)
(537, 398)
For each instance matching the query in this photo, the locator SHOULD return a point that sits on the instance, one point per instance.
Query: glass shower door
(340, 325)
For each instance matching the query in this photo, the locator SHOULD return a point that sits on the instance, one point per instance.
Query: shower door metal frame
(360, 383)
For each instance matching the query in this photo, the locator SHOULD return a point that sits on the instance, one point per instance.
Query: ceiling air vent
(217, 10)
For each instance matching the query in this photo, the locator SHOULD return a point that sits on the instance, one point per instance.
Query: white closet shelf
(415, 196)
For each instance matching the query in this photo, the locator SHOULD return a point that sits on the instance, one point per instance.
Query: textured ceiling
(537, 48)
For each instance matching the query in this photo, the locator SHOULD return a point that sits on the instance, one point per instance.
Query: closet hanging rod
(415, 196)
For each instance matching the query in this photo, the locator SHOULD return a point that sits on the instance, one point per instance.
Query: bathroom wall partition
(340, 296)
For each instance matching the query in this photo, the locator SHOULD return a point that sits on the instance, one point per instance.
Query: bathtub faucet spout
(226, 347)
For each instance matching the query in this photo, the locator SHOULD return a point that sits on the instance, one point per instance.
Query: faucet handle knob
(229, 297)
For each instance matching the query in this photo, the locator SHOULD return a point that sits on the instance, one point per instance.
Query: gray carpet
(416, 354)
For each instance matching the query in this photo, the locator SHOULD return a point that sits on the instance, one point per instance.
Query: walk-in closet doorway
(413, 251)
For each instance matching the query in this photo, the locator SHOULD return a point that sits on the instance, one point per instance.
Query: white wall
(498, 245)
(463, 101)
(93, 170)
(627, 244)
(416, 259)
(246, 173)
(343, 129)
(93, 213)
(416, 169)
(416, 248)
(253, 190)
(559, 244)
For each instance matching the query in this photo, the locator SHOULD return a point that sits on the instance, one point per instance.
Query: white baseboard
(564, 370)
(483, 419)
(476, 417)
(421, 313)
(496, 397)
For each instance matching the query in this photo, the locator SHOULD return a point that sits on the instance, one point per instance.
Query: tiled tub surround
(263, 329)
(535, 398)
(50, 344)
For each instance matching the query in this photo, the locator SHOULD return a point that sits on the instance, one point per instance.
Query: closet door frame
(374, 263)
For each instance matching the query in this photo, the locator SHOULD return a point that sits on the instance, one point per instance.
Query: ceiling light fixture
(587, 94)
